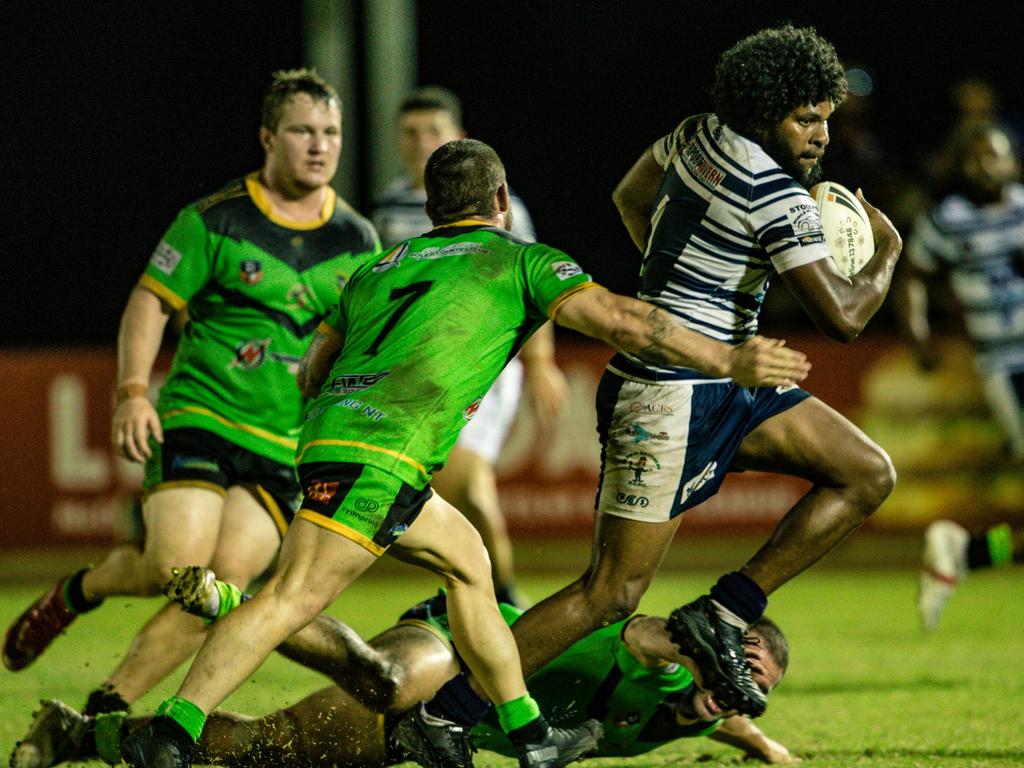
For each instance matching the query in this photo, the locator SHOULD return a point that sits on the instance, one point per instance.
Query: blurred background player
(399, 364)
(625, 674)
(427, 118)
(973, 242)
(257, 265)
(951, 551)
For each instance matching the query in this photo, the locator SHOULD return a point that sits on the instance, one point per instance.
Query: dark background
(116, 114)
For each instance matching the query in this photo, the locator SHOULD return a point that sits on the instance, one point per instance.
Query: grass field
(865, 686)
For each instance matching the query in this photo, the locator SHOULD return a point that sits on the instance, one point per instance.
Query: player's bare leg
(182, 526)
(469, 483)
(246, 544)
(625, 556)
(852, 476)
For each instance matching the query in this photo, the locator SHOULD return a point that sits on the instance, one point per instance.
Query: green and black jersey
(427, 327)
(256, 286)
(596, 677)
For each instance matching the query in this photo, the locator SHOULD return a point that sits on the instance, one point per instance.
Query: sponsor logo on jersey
(472, 408)
(811, 239)
(456, 249)
(299, 296)
(250, 354)
(363, 409)
(694, 159)
(392, 259)
(566, 269)
(700, 480)
(640, 463)
(250, 271)
(348, 383)
(632, 501)
(321, 492)
(638, 434)
(650, 408)
(165, 257)
(805, 218)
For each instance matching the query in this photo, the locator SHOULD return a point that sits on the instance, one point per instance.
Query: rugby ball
(846, 227)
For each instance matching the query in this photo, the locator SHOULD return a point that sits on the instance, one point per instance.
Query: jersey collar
(261, 201)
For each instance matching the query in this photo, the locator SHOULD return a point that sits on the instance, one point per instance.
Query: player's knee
(613, 600)
(878, 479)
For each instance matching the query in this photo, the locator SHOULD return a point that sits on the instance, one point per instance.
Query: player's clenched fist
(134, 421)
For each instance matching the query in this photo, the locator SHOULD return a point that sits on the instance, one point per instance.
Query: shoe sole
(190, 587)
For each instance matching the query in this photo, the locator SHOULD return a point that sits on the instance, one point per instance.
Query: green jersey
(595, 678)
(256, 287)
(426, 328)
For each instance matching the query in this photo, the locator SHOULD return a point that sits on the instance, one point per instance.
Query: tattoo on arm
(658, 328)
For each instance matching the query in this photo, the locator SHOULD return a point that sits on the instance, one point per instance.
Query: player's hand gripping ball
(846, 226)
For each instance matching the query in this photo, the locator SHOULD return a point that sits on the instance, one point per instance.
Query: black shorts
(195, 458)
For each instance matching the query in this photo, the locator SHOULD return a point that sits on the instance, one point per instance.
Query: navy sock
(741, 595)
(978, 555)
(458, 702)
(104, 699)
(531, 733)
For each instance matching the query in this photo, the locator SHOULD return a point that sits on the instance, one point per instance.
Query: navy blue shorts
(667, 445)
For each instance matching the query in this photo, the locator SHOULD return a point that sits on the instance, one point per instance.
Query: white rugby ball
(846, 227)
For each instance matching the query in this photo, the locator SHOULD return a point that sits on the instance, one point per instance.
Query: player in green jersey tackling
(419, 336)
(627, 675)
(256, 265)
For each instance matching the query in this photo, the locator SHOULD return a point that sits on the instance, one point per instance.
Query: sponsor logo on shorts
(322, 492)
(250, 271)
(784, 388)
(640, 463)
(637, 434)
(650, 408)
(366, 505)
(398, 530)
(632, 501)
(251, 354)
(566, 269)
(472, 408)
(700, 480)
(199, 463)
(165, 257)
(348, 383)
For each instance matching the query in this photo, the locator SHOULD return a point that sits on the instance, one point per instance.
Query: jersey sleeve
(928, 248)
(788, 227)
(551, 277)
(181, 263)
(662, 148)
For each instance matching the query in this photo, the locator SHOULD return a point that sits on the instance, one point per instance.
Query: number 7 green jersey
(427, 328)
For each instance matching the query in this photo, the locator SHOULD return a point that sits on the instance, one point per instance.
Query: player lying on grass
(627, 675)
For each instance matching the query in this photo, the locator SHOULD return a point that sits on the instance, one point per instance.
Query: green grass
(865, 687)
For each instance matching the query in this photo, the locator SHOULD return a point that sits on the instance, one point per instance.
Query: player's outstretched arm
(643, 330)
(317, 361)
(740, 732)
(636, 194)
(138, 341)
(841, 308)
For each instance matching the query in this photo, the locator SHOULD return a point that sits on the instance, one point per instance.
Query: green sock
(230, 598)
(1000, 544)
(516, 713)
(107, 735)
(184, 713)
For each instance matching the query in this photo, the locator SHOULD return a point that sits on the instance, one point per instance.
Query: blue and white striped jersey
(726, 218)
(398, 215)
(982, 250)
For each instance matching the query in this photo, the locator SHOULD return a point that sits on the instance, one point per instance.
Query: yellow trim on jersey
(421, 624)
(273, 509)
(204, 484)
(366, 446)
(556, 305)
(328, 330)
(153, 285)
(259, 197)
(342, 530)
(463, 223)
(234, 425)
